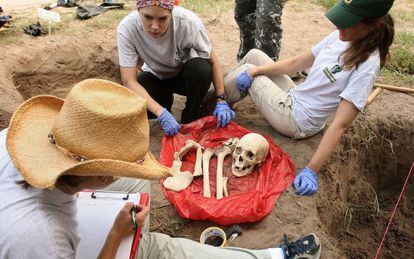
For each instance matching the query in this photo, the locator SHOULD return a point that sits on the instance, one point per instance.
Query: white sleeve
(128, 56)
(361, 83)
(202, 44)
(322, 44)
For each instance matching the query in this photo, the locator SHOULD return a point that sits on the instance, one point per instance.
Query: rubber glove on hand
(168, 123)
(244, 81)
(223, 113)
(306, 182)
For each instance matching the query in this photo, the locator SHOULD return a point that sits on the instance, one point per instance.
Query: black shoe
(307, 247)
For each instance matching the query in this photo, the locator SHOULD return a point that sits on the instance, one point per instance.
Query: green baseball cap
(347, 13)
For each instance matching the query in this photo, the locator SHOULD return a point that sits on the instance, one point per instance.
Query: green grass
(395, 78)
(106, 20)
(327, 4)
(109, 19)
(402, 54)
(207, 6)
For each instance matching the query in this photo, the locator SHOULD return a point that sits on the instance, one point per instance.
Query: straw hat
(101, 129)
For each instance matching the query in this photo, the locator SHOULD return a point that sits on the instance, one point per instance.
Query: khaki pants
(160, 246)
(269, 93)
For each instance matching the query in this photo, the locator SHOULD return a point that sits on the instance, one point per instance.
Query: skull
(251, 150)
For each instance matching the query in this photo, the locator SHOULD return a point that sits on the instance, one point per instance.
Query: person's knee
(255, 56)
(233, 93)
(199, 70)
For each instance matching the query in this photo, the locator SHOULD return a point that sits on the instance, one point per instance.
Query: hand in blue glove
(168, 123)
(306, 182)
(244, 81)
(223, 113)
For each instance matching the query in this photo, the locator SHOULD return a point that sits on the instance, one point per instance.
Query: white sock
(277, 253)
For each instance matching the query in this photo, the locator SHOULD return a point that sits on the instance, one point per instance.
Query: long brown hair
(380, 37)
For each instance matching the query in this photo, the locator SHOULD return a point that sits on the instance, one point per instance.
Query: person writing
(55, 148)
(176, 55)
(344, 67)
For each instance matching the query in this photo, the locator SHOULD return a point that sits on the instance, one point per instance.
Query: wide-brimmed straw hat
(101, 129)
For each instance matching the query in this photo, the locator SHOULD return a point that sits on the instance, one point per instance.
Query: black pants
(192, 82)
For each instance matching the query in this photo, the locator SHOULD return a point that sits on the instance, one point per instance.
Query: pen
(134, 222)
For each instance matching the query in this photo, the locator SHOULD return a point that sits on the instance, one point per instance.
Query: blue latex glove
(244, 81)
(306, 182)
(223, 113)
(168, 123)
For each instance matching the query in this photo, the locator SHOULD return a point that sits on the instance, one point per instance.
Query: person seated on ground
(176, 55)
(55, 148)
(344, 67)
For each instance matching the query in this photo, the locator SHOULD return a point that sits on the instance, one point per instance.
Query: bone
(220, 153)
(189, 144)
(179, 180)
(231, 143)
(176, 166)
(198, 170)
(208, 153)
(225, 179)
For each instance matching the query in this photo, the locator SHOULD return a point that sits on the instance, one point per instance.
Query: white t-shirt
(318, 97)
(186, 38)
(34, 223)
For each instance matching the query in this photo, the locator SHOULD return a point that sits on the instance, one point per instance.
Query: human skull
(251, 150)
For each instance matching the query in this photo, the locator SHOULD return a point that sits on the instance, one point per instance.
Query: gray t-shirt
(34, 223)
(320, 94)
(186, 38)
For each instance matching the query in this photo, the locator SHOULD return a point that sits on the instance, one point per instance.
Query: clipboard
(96, 213)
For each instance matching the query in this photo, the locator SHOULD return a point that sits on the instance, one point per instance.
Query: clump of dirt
(362, 182)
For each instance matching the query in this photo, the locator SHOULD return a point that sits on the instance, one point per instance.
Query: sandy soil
(22, 4)
(358, 187)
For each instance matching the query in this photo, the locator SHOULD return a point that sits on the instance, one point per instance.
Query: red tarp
(250, 197)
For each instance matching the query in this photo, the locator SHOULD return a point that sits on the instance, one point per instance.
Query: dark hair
(380, 37)
(71, 180)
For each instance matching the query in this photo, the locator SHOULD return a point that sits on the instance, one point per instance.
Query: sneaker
(307, 247)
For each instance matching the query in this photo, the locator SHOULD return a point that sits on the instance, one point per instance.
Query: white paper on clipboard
(95, 217)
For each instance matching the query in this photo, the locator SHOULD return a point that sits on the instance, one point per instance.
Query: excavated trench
(362, 183)
(58, 70)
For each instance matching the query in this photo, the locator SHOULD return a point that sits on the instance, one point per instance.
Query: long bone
(189, 144)
(221, 154)
(207, 154)
(198, 170)
(179, 180)
(225, 180)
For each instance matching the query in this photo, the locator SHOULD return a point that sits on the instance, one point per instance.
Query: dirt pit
(362, 184)
(58, 70)
(358, 187)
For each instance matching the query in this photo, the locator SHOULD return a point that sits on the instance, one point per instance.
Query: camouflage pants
(260, 26)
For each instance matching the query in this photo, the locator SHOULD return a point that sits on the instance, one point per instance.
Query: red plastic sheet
(250, 197)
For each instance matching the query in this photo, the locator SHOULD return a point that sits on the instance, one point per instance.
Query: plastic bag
(250, 197)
